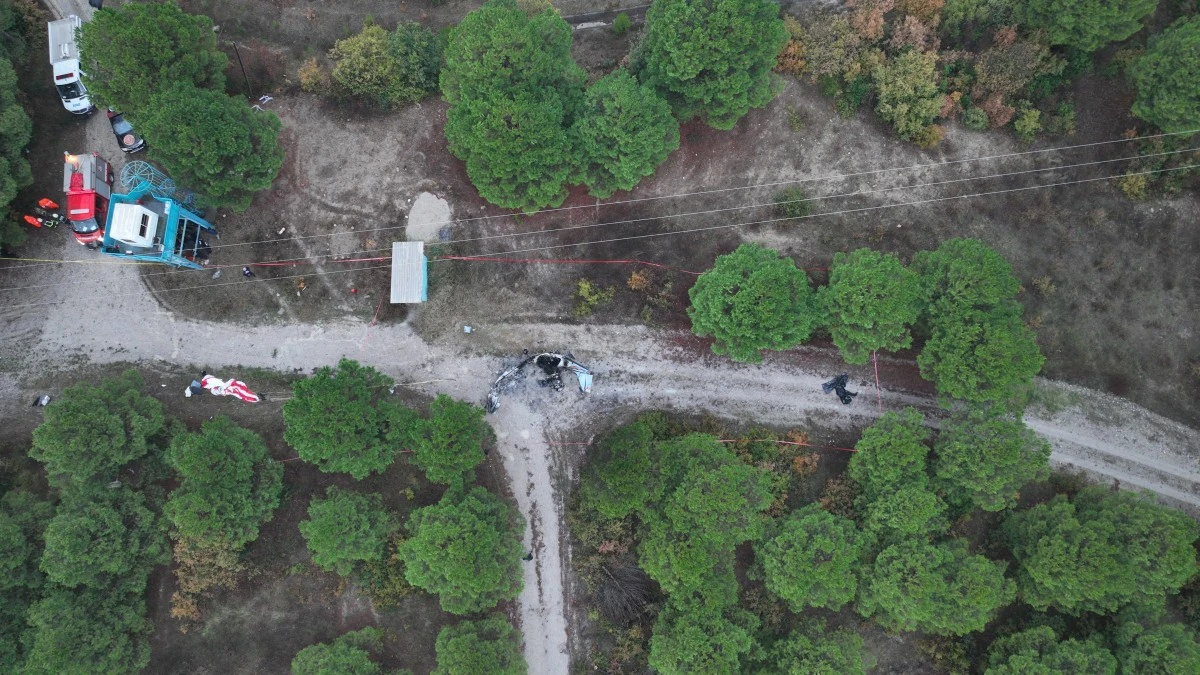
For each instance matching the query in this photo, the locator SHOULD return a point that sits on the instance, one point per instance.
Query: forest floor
(1117, 316)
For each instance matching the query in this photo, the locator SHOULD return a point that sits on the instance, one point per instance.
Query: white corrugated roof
(408, 272)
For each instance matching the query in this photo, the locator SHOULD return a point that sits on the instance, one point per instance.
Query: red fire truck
(87, 180)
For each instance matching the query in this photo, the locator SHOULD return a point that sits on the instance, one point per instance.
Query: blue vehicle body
(144, 225)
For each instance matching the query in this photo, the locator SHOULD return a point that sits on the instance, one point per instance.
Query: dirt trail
(1101, 434)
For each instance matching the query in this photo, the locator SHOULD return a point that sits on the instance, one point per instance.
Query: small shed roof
(409, 279)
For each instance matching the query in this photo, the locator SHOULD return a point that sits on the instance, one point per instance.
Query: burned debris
(551, 365)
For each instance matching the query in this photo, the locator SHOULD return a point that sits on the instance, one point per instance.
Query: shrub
(485, 646)
(449, 445)
(388, 68)
(314, 78)
(1028, 124)
(792, 203)
(346, 528)
(975, 119)
(1135, 186)
(621, 24)
(908, 95)
(591, 296)
(346, 655)
(1168, 93)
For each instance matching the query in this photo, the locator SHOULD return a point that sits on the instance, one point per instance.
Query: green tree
(513, 91)
(891, 454)
(979, 350)
(753, 299)
(93, 431)
(467, 550)
(813, 650)
(342, 420)
(449, 445)
(1038, 651)
(388, 68)
(711, 59)
(964, 275)
(695, 638)
(1100, 551)
(15, 131)
(103, 537)
(346, 528)
(214, 144)
(939, 589)
(23, 519)
(870, 302)
(347, 655)
(723, 506)
(229, 485)
(1168, 96)
(1169, 648)
(907, 93)
(810, 559)
(88, 631)
(488, 645)
(627, 470)
(982, 357)
(623, 133)
(135, 50)
(1085, 24)
(985, 460)
(910, 511)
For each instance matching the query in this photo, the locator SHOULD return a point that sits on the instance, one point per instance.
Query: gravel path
(1108, 437)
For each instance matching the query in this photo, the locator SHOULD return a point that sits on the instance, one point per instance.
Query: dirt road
(1097, 433)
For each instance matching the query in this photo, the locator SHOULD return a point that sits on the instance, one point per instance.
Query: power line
(307, 260)
(687, 231)
(828, 177)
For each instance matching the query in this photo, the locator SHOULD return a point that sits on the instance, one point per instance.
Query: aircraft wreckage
(552, 366)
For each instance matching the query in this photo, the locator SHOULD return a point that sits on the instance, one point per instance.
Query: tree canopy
(870, 303)
(890, 454)
(624, 131)
(346, 528)
(691, 637)
(907, 91)
(811, 558)
(488, 645)
(751, 300)
(388, 68)
(466, 549)
(711, 59)
(94, 430)
(229, 484)
(15, 131)
(342, 420)
(627, 470)
(1165, 76)
(1085, 24)
(940, 589)
(131, 52)
(813, 650)
(103, 538)
(449, 445)
(88, 631)
(1100, 551)
(513, 91)
(1038, 651)
(985, 460)
(212, 143)
(347, 655)
(1169, 648)
(978, 350)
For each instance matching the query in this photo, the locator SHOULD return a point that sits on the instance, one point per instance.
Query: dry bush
(199, 569)
(612, 546)
(912, 32)
(951, 105)
(1044, 285)
(791, 59)
(867, 17)
(640, 280)
(838, 497)
(1135, 186)
(826, 44)
(924, 9)
(930, 136)
(998, 112)
(805, 464)
(623, 594)
(314, 78)
(1005, 37)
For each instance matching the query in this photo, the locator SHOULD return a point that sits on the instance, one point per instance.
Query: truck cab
(64, 59)
(87, 181)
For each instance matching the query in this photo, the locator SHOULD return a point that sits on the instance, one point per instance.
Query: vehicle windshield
(70, 90)
(85, 226)
(120, 126)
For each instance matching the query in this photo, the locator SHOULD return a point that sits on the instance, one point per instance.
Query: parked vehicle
(127, 138)
(87, 180)
(64, 59)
